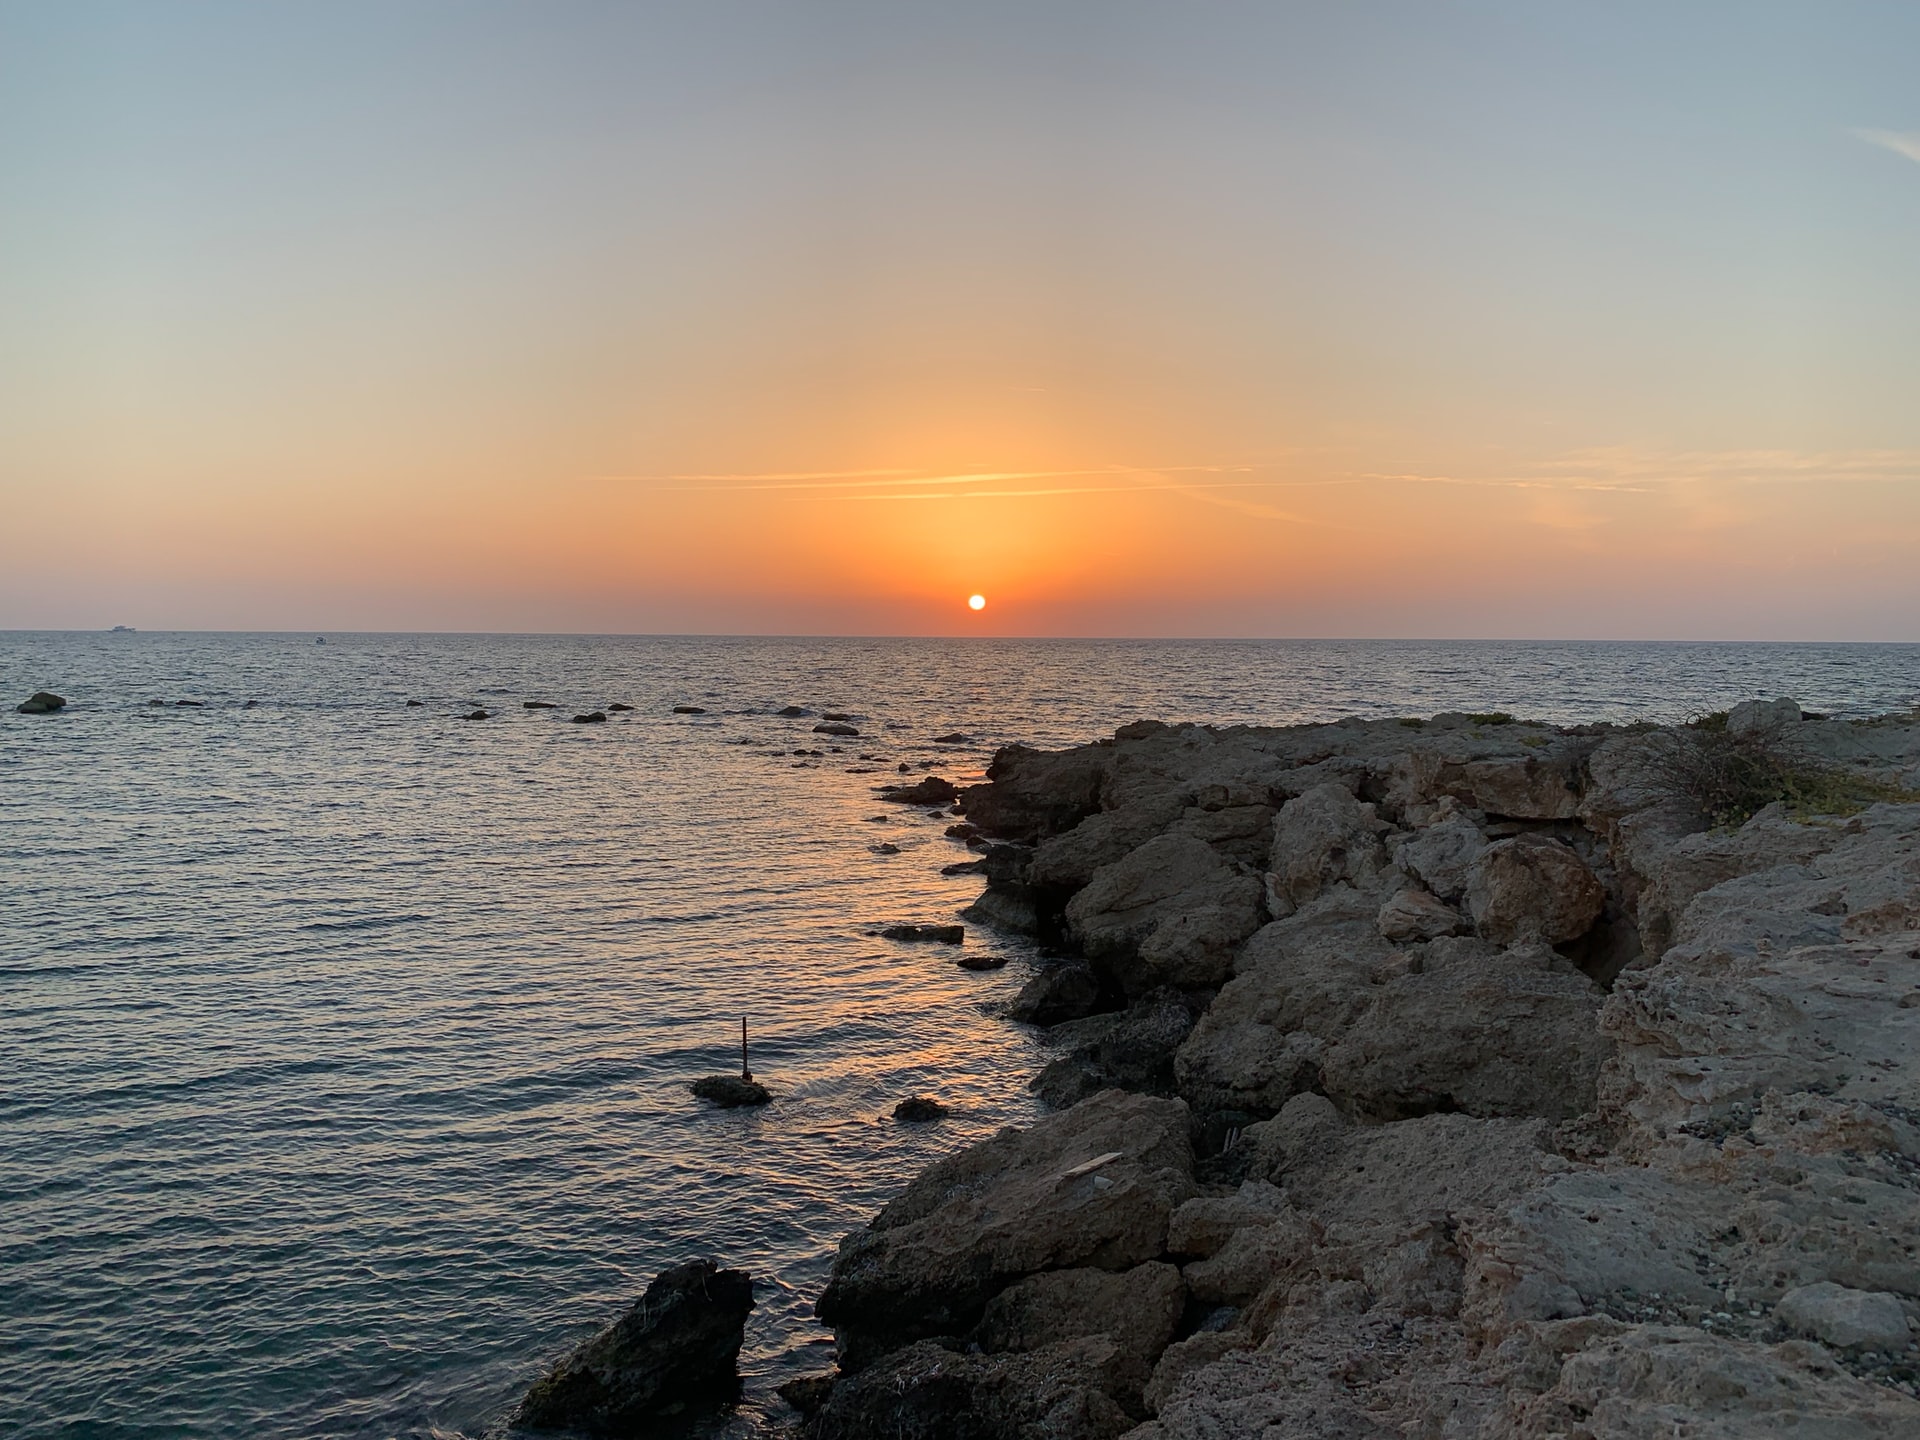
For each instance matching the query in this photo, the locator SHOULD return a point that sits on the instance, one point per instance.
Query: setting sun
(976, 602)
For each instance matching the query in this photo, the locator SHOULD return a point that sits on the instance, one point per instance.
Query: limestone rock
(1136, 1309)
(1656, 1381)
(1441, 855)
(1252, 1258)
(1848, 1319)
(1171, 913)
(1128, 1050)
(1533, 888)
(1415, 914)
(1092, 1187)
(1323, 838)
(1032, 794)
(928, 1392)
(677, 1344)
(1762, 717)
(1057, 993)
(1200, 1227)
(1481, 1031)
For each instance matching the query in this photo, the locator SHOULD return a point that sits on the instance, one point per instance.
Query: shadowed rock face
(1089, 1188)
(675, 1347)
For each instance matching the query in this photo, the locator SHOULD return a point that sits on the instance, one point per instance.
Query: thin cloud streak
(1905, 143)
(907, 477)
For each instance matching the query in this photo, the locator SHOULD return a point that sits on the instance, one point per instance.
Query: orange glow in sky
(675, 323)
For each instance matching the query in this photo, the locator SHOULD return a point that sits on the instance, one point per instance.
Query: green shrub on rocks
(1732, 776)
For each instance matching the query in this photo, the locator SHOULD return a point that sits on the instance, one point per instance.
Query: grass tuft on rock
(1733, 777)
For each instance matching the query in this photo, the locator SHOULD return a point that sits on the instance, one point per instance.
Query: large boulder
(1171, 913)
(1477, 1030)
(1031, 794)
(1441, 855)
(1323, 838)
(1125, 1050)
(1533, 889)
(1137, 1309)
(41, 702)
(1092, 1187)
(1415, 914)
(677, 1345)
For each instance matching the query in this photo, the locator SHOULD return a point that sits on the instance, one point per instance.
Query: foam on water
(343, 1045)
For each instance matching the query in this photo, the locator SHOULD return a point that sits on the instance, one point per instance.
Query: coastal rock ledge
(1461, 1079)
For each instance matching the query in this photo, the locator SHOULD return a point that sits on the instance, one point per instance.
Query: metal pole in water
(745, 1073)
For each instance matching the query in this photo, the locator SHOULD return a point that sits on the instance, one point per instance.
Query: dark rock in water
(689, 709)
(962, 831)
(618, 706)
(941, 934)
(539, 705)
(250, 705)
(961, 867)
(163, 703)
(475, 715)
(928, 1392)
(931, 791)
(807, 1393)
(41, 702)
(731, 1091)
(790, 712)
(190, 704)
(1060, 992)
(834, 727)
(905, 769)
(955, 738)
(919, 1108)
(410, 703)
(834, 715)
(885, 848)
(592, 717)
(677, 1345)
(982, 962)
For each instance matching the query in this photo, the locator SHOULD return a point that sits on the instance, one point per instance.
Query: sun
(976, 602)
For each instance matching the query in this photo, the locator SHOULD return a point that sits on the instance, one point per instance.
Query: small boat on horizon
(123, 630)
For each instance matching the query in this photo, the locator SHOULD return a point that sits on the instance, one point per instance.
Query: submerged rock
(689, 709)
(982, 962)
(618, 706)
(931, 791)
(939, 934)
(731, 1091)
(538, 705)
(919, 1108)
(592, 717)
(676, 1346)
(834, 727)
(41, 702)
(475, 715)
(790, 712)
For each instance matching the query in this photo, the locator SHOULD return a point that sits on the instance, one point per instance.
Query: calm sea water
(343, 1045)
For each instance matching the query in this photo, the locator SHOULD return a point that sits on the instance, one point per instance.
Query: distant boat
(123, 630)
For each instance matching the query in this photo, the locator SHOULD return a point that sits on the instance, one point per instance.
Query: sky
(797, 317)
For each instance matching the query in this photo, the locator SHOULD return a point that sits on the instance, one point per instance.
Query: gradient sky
(1195, 318)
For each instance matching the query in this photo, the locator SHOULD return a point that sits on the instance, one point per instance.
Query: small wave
(364, 922)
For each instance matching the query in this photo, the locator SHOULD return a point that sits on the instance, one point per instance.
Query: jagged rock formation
(675, 1347)
(1485, 1089)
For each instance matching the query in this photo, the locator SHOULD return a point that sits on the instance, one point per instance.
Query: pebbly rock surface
(1457, 1076)
(675, 1348)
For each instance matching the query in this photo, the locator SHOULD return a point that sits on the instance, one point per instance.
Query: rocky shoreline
(1462, 1077)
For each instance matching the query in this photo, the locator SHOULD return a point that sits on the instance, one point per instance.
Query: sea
(345, 1042)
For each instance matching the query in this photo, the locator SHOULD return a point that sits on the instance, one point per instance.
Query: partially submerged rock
(938, 934)
(677, 1346)
(918, 1109)
(836, 727)
(731, 1091)
(41, 702)
(932, 790)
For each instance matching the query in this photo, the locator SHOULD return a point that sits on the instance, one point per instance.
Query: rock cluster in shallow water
(1445, 1079)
